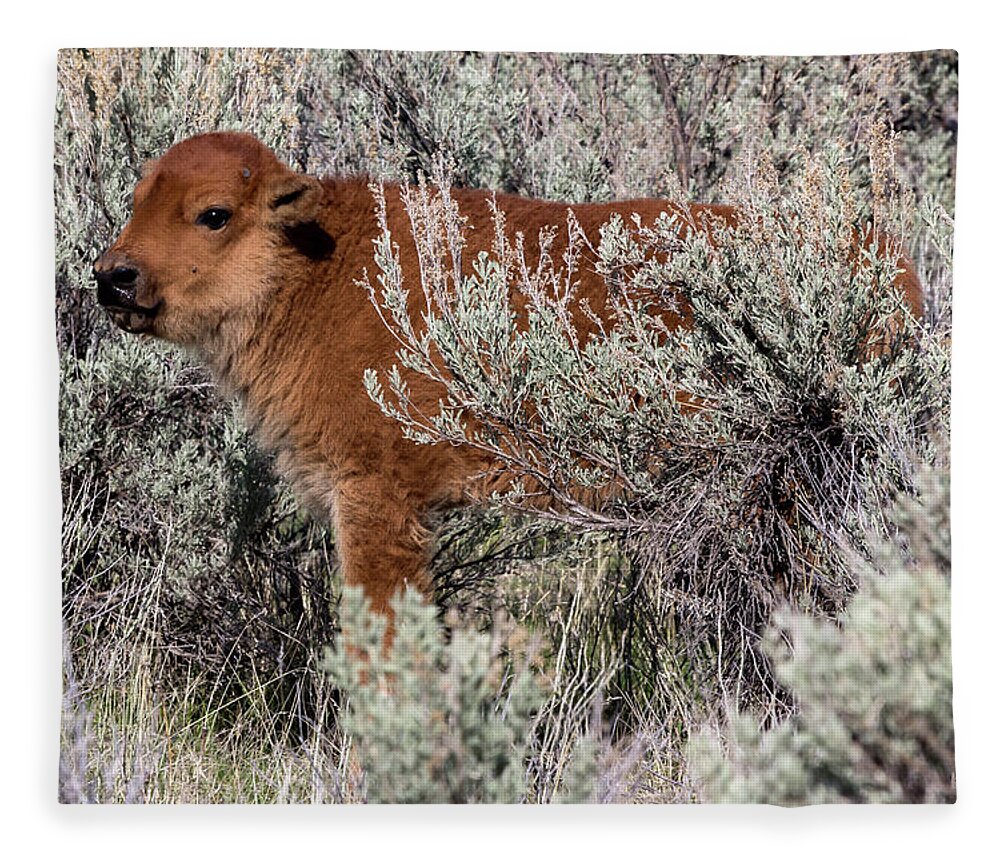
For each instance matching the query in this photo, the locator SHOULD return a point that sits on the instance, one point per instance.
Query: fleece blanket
(476, 427)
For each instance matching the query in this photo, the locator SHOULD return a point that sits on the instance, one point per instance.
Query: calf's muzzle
(118, 282)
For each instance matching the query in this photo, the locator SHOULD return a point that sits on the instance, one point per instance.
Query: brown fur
(270, 303)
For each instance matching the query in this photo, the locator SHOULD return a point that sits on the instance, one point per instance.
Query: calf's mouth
(136, 320)
(124, 311)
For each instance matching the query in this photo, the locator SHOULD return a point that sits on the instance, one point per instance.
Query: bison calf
(253, 267)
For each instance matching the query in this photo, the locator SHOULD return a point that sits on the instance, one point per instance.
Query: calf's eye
(215, 218)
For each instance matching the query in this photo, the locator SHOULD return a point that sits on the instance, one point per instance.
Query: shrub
(801, 432)
(873, 691)
(181, 559)
(439, 719)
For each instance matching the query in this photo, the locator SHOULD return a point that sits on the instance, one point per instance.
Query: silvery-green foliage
(873, 690)
(434, 720)
(733, 456)
(459, 716)
(169, 514)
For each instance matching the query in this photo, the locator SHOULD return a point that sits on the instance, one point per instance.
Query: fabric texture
(472, 427)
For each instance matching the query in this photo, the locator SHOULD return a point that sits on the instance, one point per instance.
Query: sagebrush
(873, 691)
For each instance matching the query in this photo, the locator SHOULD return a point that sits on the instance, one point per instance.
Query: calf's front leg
(381, 542)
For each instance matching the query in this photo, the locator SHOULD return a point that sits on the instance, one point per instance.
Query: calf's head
(211, 220)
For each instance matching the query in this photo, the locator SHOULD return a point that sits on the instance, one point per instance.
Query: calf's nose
(120, 276)
(115, 283)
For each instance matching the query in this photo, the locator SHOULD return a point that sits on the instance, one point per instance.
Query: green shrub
(724, 511)
(873, 692)
(182, 559)
(439, 719)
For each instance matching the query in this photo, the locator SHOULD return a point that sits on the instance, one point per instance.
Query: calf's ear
(291, 199)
